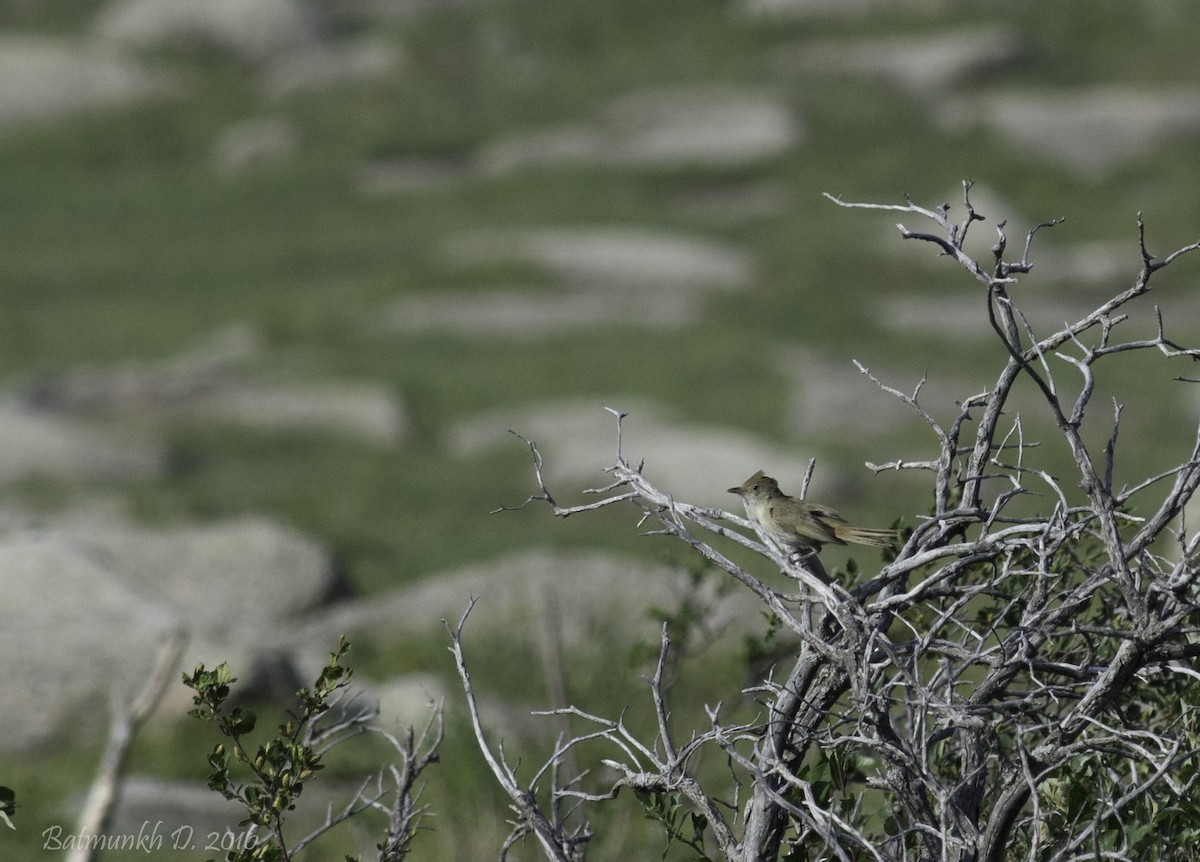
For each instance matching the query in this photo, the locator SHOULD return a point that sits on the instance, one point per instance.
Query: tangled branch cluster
(1015, 681)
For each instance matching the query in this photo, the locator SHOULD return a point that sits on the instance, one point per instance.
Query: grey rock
(89, 599)
(45, 77)
(368, 412)
(210, 383)
(402, 176)
(139, 387)
(253, 30)
(223, 577)
(574, 595)
(350, 62)
(409, 701)
(401, 10)
(627, 275)
(1088, 263)
(926, 63)
(254, 142)
(694, 127)
(732, 205)
(40, 443)
(530, 314)
(826, 391)
(831, 407)
(617, 256)
(577, 436)
(73, 634)
(788, 9)
(1088, 131)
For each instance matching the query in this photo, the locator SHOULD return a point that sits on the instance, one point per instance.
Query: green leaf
(241, 721)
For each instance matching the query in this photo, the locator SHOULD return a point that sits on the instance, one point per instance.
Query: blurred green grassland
(121, 240)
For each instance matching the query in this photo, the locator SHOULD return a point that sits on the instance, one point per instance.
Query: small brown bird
(800, 526)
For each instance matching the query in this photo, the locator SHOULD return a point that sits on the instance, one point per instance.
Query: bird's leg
(808, 559)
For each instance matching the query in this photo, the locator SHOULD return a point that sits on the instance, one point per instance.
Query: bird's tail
(861, 536)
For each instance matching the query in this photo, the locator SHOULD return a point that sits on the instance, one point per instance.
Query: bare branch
(962, 678)
(554, 844)
(126, 719)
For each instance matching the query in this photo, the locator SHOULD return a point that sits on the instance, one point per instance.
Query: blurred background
(279, 277)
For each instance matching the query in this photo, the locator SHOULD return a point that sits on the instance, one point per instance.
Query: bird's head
(758, 487)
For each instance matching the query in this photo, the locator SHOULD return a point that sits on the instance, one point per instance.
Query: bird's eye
(754, 487)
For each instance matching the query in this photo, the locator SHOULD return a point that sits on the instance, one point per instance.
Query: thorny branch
(417, 751)
(1019, 633)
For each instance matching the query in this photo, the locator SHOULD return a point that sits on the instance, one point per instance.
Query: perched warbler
(800, 526)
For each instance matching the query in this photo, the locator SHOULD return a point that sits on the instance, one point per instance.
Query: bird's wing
(813, 521)
(824, 513)
(828, 521)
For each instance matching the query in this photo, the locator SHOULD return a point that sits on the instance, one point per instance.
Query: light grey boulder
(253, 142)
(252, 30)
(348, 62)
(44, 77)
(927, 63)
(697, 127)
(572, 596)
(1089, 131)
(211, 382)
(89, 600)
(615, 256)
(73, 634)
(38, 443)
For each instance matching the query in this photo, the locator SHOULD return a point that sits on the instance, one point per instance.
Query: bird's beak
(737, 491)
